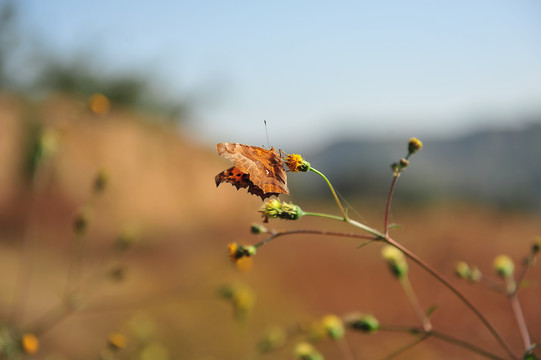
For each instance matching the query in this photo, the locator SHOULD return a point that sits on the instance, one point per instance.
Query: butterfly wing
(263, 167)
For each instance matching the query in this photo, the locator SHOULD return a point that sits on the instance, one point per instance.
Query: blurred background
(110, 222)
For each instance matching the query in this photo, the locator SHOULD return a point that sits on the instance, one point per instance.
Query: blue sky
(316, 69)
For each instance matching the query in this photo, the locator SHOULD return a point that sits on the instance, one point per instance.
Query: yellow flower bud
(305, 351)
(334, 326)
(414, 145)
(504, 266)
(396, 261)
(30, 343)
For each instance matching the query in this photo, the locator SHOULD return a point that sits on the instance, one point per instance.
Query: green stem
(388, 206)
(414, 301)
(342, 211)
(357, 224)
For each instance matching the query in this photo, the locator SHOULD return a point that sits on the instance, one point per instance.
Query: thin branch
(388, 206)
(275, 235)
(455, 291)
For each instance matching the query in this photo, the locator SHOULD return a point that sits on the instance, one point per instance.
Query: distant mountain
(502, 167)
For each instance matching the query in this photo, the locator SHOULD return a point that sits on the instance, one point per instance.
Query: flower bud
(536, 245)
(237, 252)
(396, 261)
(241, 297)
(80, 223)
(258, 229)
(404, 163)
(275, 209)
(117, 341)
(305, 351)
(362, 322)
(274, 338)
(504, 266)
(100, 181)
(414, 145)
(334, 326)
(464, 271)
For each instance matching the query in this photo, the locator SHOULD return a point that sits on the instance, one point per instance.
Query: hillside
(497, 167)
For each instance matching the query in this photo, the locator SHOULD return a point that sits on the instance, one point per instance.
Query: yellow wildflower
(238, 252)
(30, 343)
(414, 145)
(296, 163)
(99, 104)
(117, 341)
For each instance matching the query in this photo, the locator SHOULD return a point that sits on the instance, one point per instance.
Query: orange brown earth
(161, 186)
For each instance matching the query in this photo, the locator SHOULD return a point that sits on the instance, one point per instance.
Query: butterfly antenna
(267, 133)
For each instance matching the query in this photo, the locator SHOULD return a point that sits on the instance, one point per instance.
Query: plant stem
(430, 270)
(443, 337)
(407, 347)
(344, 349)
(385, 237)
(357, 224)
(342, 211)
(275, 235)
(455, 291)
(521, 322)
(388, 206)
(414, 301)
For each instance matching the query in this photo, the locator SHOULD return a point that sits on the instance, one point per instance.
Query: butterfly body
(258, 169)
